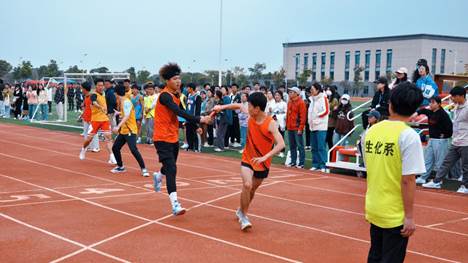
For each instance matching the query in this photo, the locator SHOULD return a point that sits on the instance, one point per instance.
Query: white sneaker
(185, 146)
(324, 170)
(112, 159)
(460, 179)
(138, 140)
(95, 150)
(433, 185)
(313, 169)
(144, 172)
(462, 190)
(420, 180)
(300, 166)
(281, 155)
(83, 153)
(236, 144)
(206, 144)
(218, 150)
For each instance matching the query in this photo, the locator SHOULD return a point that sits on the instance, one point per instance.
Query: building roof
(377, 39)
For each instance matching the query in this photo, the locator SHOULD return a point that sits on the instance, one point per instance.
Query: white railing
(342, 139)
(354, 109)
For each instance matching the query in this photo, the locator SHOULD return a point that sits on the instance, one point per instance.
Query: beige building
(336, 59)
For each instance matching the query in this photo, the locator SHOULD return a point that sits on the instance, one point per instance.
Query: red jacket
(296, 115)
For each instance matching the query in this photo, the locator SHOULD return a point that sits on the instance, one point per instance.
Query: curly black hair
(169, 70)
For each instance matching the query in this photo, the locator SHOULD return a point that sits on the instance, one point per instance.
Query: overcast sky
(148, 33)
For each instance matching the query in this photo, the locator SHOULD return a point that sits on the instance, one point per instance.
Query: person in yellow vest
(149, 104)
(393, 156)
(99, 121)
(126, 132)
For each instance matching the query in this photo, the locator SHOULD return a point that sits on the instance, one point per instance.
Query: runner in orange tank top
(263, 142)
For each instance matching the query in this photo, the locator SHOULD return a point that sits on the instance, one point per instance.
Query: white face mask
(344, 102)
(329, 93)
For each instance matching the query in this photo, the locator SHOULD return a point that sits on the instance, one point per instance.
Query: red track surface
(54, 207)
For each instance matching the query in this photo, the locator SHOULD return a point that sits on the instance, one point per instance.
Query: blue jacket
(428, 87)
(227, 100)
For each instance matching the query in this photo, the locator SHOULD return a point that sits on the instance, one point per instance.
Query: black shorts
(256, 174)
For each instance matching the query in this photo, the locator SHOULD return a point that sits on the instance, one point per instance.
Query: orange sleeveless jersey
(259, 142)
(166, 124)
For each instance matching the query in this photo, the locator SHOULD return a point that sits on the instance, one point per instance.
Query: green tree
(357, 81)
(74, 69)
(212, 76)
(53, 69)
(304, 76)
(326, 81)
(42, 71)
(5, 68)
(100, 70)
(132, 73)
(143, 76)
(23, 71)
(256, 71)
(279, 76)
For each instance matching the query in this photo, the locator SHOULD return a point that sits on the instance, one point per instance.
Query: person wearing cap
(425, 82)
(401, 76)
(166, 132)
(440, 131)
(295, 124)
(379, 101)
(373, 117)
(343, 125)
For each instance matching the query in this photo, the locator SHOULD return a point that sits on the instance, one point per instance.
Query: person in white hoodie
(319, 110)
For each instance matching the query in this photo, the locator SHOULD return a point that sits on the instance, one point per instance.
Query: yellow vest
(130, 126)
(96, 113)
(384, 201)
(148, 103)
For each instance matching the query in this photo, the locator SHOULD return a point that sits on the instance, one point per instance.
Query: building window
(389, 60)
(322, 65)
(347, 62)
(365, 91)
(332, 65)
(357, 58)
(434, 60)
(378, 58)
(297, 63)
(306, 61)
(314, 66)
(367, 65)
(442, 61)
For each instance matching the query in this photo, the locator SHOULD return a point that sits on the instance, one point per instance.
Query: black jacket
(381, 99)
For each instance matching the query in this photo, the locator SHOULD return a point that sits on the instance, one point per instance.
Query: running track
(56, 208)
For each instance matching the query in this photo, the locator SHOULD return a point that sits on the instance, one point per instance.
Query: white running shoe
(144, 172)
(185, 146)
(206, 144)
(177, 209)
(157, 181)
(420, 180)
(236, 144)
(245, 223)
(239, 214)
(83, 153)
(218, 150)
(138, 140)
(462, 190)
(112, 159)
(460, 179)
(313, 169)
(433, 185)
(324, 170)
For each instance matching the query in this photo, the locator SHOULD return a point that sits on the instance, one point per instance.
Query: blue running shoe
(157, 178)
(177, 209)
(239, 214)
(245, 223)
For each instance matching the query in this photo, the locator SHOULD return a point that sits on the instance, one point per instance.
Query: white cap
(402, 70)
(346, 96)
(295, 89)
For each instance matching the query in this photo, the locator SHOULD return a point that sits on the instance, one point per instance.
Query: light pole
(220, 77)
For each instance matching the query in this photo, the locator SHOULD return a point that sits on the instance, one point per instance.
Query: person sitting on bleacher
(440, 131)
